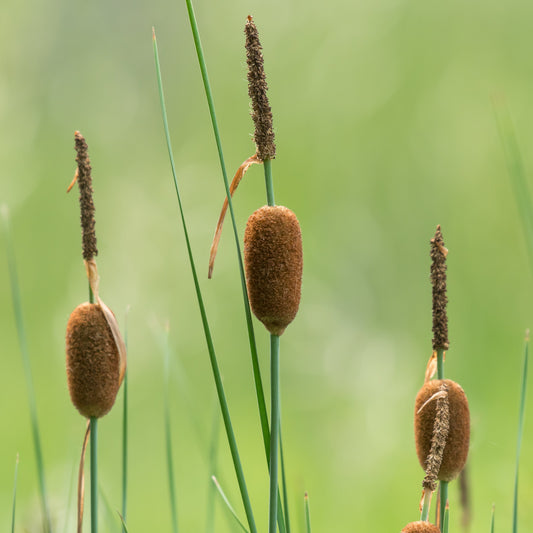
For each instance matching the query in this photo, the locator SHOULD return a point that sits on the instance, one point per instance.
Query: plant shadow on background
(270, 275)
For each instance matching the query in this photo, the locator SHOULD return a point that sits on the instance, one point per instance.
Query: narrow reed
(420, 527)
(273, 262)
(456, 443)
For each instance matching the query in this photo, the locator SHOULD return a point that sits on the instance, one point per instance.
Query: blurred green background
(385, 129)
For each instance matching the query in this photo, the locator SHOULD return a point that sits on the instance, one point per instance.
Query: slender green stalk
(307, 514)
(124, 527)
(440, 364)
(123, 515)
(274, 433)
(261, 403)
(492, 519)
(520, 431)
(213, 460)
(228, 504)
(168, 438)
(211, 349)
(446, 519)
(443, 501)
(21, 331)
(94, 474)
(14, 495)
(269, 182)
(425, 506)
(284, 483)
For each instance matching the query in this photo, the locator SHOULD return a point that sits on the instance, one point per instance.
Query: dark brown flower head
(273, 262)
(438, 281)
(458, 438)
(83, 174)
(257, 89)
(420, 527)
(93, 361)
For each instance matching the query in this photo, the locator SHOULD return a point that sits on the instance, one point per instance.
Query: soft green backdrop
(384, 128)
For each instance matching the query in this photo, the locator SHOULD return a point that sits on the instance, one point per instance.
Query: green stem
(284, 483)
(425, 506)
(125, 440)
(21, 331)
(94, 475)
(445, 523)
(125, 452)
(274, 431)
(168, 435)
(307, 514)
(443, 501)
(207, 332)
(440, 363)
(520, 431)
(14, 496)
(269, 182)
(261, 403)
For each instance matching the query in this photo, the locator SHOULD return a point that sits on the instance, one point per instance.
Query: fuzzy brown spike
(273, 262)
(441, 427)
(83, 174)
(438, 281)
(458, 439)
(93, 361)
(257, 90)
(420, 527)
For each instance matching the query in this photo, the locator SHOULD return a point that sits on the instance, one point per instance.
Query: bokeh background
(385, 128)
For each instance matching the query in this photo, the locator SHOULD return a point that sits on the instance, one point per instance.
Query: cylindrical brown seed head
(93, 362)
(458, 438)
(420, 527)
(273, 261)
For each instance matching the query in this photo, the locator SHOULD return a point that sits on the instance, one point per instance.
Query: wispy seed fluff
(257, 90)
(441, 428)
(438, 281)
(458, 438)
(273, 262)
(93, 361)
(420, 527)
(84, 178)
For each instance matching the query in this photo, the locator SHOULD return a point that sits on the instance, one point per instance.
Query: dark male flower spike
(438, 281)
(257, 90)
(83, 175)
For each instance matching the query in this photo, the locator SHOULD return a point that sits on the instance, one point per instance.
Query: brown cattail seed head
(84, 178)
(257, 90)
(438, 281)
(420, 527)
(273, 261)
(458, 438)
(93, 361)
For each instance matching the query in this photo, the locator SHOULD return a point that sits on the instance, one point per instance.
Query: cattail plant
(272, 250)
(95, 350)
(442, 418)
